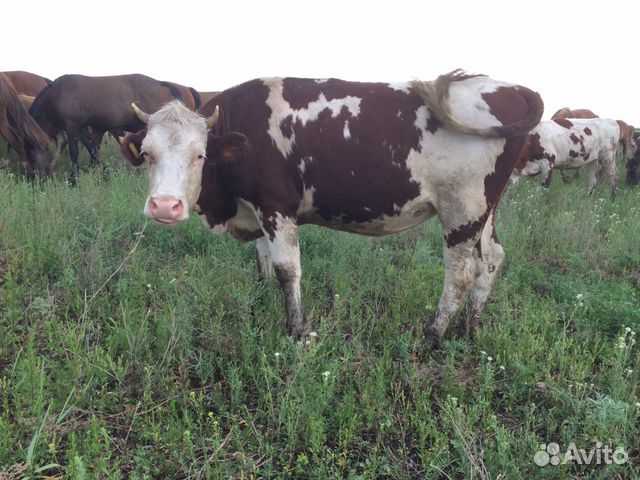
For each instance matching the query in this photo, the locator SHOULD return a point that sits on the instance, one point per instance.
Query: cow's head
(176, 144)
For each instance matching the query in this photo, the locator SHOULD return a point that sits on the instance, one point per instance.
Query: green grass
(128, 350)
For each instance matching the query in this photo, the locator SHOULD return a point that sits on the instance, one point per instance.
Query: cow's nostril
(178, 206)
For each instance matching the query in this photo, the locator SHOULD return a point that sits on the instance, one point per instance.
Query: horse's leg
(61, 140)
(72, 139)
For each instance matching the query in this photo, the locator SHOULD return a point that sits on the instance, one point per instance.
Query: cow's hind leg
(282, 242)
(489, 260)
(461, 258)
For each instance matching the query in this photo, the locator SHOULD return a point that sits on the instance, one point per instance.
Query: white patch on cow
(399, 114)
(367, 209)
(281, 109)
(284, 246)
(321, 80)
(243, 225)
(403, 87)
(306, 203)
(451, 177)
(345, 131)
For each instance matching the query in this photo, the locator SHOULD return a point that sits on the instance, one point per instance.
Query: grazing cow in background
(368, 158)
(16, 125)
(626, 131)
(571, 144)
(566, 112)
(84, 108)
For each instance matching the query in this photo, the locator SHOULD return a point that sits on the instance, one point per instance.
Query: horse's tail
(175, 93)
(196, 98)
(20, 122)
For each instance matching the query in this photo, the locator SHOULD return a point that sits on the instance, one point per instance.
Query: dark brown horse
(86, 107)
(16, 125)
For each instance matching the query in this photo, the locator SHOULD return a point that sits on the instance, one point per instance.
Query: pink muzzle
(166, 209)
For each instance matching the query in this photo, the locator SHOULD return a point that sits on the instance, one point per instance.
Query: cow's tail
(175, 93)
(196, 98)
(435, 95)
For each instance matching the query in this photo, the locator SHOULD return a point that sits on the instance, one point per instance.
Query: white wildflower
(489, 359)
(313, 334)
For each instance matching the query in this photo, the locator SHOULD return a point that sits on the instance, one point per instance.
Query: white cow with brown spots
(570, 144)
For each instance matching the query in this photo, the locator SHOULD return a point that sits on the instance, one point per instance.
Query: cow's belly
(404, 218)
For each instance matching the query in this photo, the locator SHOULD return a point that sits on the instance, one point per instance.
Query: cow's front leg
(282, 242)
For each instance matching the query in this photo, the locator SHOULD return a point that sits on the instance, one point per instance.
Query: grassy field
(128, 350)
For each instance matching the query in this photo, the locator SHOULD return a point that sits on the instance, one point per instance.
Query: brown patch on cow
(467, 231)
(563, 122)
(574, 138)
(573, 153)
(496, 182)
(299, 93)
(587, 131)
(506, 104)
(533, 150)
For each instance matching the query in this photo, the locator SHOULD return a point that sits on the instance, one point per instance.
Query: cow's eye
(200, 159)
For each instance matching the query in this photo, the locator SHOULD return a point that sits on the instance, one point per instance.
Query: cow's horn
(142, 116)
(213, 119)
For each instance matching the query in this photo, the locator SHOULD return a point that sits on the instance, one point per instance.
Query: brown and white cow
(368, 158)
(569, 144)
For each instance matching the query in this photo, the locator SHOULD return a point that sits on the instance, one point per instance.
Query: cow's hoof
(431, 338)
(296, 332)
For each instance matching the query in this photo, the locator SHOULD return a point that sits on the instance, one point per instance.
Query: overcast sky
(574, 53)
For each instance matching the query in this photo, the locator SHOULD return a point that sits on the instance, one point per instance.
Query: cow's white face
(174, 148)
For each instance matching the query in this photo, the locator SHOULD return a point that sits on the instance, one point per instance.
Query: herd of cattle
(261, 158)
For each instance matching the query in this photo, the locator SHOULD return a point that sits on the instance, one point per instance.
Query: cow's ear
(130, 147)
(227, 148)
